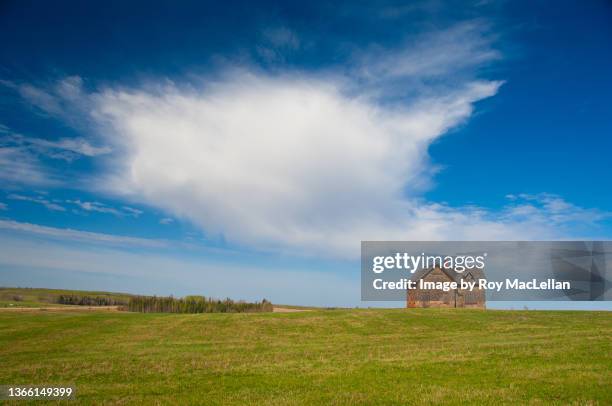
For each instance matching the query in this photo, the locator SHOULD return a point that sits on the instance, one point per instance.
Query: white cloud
(439, 53)
(550, 209)
(308, 162)
(286, 162)
(293, 163)
(67, 149)
(20, 157)
(40, 98)
(64, 99)
(166, 221)
(79, 236)
(77, 145)
(131, 211)
(431, 63)
(39, 200)
(311, 163)
(94, 206)
(70, 89)
(19, 166)
(103, 208)
(83, 205)
(3, 206)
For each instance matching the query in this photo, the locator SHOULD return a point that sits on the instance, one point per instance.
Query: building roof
(477, 273)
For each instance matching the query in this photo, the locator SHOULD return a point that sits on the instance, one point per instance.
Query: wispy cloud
(132, 211)
(95, 207)
(432, 62)
(20, 166)
(282, 37)
(87, 206)
(20, 157)
(166, 221)
(80, 236)
(78, 146)
(276, 43)
(103, 208)
(441, 53)
(551, 209)
(62, 99)
(67, 149)
(3, 206)
(39, 98)
(39, 200)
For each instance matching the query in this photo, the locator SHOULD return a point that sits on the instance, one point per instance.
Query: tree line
(84, 300)
(194, 304)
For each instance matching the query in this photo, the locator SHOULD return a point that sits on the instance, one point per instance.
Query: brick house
(452, 298)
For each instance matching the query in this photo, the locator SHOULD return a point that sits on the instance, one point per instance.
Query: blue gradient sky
(232, 150)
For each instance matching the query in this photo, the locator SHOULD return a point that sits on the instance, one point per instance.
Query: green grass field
(418, 356)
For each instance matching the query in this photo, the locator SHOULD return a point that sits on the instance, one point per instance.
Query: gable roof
(477, 273)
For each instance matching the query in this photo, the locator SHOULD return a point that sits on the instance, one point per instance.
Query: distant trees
(167, 304)
(84, 300)
(194, 304)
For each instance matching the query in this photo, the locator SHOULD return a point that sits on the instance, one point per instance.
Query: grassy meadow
(359, 356)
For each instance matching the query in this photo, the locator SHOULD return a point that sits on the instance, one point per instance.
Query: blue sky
(241, 151)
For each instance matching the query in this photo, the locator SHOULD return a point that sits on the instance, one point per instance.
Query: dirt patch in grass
(288, 310)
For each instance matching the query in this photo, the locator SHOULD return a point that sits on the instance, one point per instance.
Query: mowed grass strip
(416, 356)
